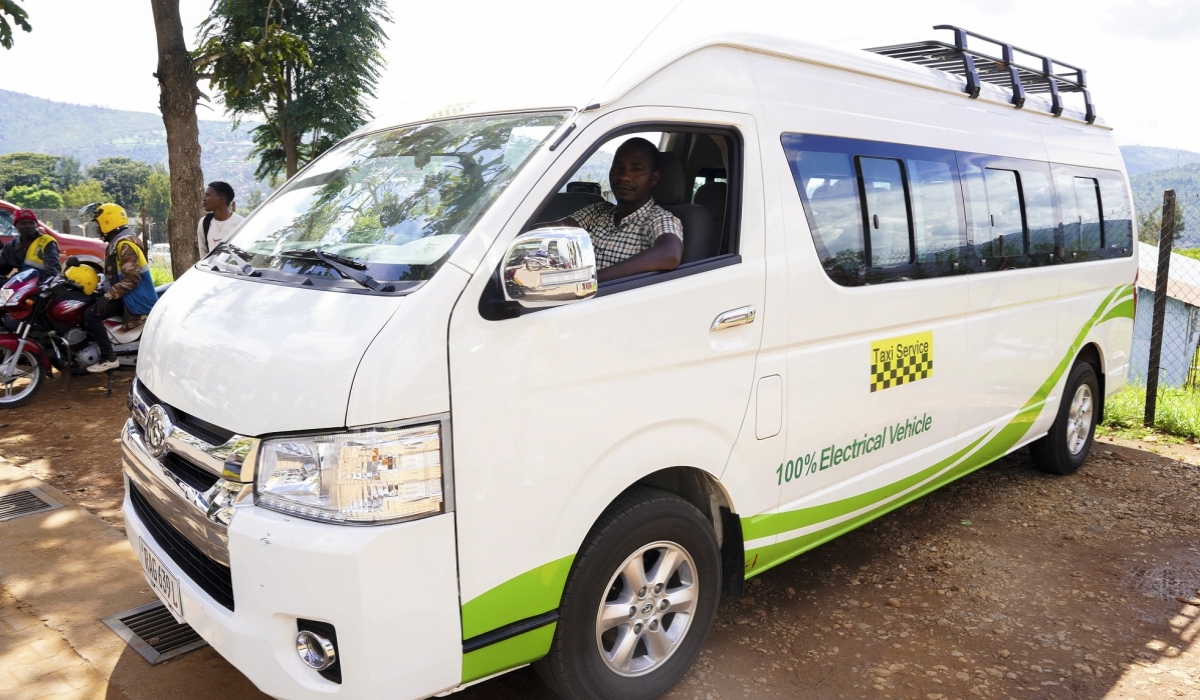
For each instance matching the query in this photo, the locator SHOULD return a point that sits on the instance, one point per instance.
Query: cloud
(1177, 20)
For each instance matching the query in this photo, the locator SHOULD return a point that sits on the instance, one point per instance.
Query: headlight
(5, 295)
(364, 477)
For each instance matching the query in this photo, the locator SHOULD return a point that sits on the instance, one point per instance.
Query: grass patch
(161, 275)
(1177, 413)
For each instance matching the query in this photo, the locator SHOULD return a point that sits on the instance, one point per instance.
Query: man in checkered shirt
(634, 235)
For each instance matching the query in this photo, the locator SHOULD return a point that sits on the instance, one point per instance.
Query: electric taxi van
(391, 439)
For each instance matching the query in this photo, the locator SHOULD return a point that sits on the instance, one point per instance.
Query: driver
(635, 235)
(133, 296)
(30, 250)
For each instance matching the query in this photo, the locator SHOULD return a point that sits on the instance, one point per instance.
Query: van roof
(674, 38)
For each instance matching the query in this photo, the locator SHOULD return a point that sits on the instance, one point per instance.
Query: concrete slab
(65, 570)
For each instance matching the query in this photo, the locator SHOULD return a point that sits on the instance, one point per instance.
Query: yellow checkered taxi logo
(901, 360)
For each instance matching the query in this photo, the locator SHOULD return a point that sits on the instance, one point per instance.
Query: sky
(1136, 52)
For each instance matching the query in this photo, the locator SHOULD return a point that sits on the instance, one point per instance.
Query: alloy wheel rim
(23, 378)
(649, 606)
(1079, 419)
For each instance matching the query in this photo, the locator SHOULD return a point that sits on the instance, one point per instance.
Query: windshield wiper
(346, 267)
(238, 254)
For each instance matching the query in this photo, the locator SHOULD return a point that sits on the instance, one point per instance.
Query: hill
(30, 123)
(1142, 159)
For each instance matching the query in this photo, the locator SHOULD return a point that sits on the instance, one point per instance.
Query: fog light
(315, 651)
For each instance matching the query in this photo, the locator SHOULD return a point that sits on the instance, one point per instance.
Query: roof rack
(1054, 77)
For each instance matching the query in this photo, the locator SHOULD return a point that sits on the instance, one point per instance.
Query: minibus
(393, 438)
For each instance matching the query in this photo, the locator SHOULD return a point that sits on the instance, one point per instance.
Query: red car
(88, 250)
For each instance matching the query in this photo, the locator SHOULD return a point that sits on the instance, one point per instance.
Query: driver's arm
(665, 254)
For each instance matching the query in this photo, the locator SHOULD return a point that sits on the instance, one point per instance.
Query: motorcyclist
(132, 295)
(31, 249)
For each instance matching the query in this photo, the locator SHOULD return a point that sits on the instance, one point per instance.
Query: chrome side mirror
(549, 267)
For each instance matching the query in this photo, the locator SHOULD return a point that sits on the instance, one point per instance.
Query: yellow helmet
(109, 217)
(84, 276)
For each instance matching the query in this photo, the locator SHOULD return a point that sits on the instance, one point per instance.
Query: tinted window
(830, 189)
(1038, 196)
(887, 214)
(1006, 233)
(6, 223)
(1087, 199)
(1116, 217)
(937, 226)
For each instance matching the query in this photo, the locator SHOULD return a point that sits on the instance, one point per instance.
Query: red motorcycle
(43, 328)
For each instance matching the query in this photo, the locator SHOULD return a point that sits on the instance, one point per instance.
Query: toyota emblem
(158, 428)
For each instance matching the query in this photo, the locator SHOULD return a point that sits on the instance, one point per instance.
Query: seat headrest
(671, 189)
(712, 197)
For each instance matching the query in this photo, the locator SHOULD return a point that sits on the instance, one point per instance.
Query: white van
(392, 440)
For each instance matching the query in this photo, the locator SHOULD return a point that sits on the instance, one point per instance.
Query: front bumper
(391, 592)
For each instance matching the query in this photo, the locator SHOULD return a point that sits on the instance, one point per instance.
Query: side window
(1079, 203)
(1038, 196)
(6, 223)
(829, 187)
(937, 225)
(1087, 199)
(1006, 233)
(1116, 218)
(887, 212)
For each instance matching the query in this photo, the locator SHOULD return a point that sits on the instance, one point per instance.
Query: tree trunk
(291, 153)
(178, 95)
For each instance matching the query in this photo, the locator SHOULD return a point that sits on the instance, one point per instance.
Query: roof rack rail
(1054, 77)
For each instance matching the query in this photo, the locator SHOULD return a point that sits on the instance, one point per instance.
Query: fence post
(66, 226)
(1165, 236)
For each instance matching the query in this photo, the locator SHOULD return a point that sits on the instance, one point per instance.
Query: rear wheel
(639, 602)
(1063, 449)
(18, 386)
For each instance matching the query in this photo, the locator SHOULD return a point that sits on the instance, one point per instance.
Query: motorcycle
(43, 328)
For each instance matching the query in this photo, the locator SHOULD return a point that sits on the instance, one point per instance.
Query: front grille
(190, 474)
(212, 434)
(214, 579)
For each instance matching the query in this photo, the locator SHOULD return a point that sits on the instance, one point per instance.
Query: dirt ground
(1006, 584)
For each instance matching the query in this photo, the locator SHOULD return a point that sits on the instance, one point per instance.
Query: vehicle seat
(712, 196)
(700, 238)
(117, 332)
(565, 204)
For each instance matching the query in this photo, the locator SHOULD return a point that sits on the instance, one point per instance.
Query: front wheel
(1064, 448)
(639, 602)
(19, 385)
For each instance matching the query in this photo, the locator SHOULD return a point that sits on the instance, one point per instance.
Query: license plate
(164, 584)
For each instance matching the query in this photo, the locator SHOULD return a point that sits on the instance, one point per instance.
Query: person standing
(220, 221)
(30, 249)
(131, 293)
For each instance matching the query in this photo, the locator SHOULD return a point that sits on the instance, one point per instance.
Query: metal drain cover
(26, 502)
(154, 633)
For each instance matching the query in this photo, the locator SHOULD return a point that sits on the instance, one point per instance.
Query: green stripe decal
(988, 448)
(532, 593)
(494, 658)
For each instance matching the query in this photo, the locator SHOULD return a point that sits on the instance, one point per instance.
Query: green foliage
(34, 197)
(68, 173)
(161, 275)
(1193, 253)
(19, 18)
(83, 194)
(1150, 223)
(1177, 411)
(252, 201)
(281, 59)
(1184, 180)
(28, 169)
(121, 177)
(155, 194)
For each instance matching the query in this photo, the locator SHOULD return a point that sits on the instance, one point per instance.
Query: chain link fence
(1166, 335)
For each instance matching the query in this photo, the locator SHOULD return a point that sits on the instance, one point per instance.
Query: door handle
(734, 317)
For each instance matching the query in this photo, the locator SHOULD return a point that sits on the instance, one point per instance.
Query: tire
(1063, 450)
(27, 379)
(634, 537)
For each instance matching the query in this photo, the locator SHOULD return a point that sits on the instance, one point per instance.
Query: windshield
(385, 211)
